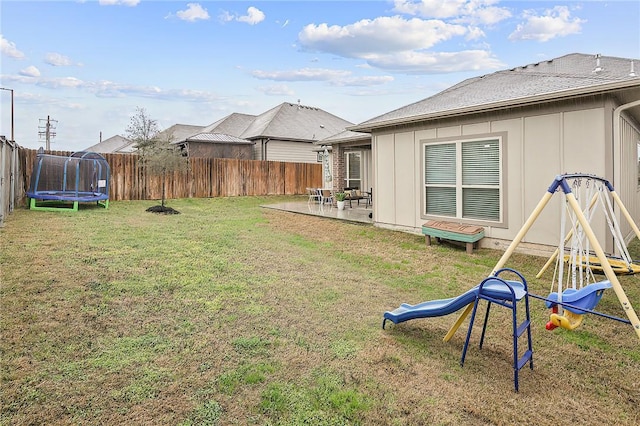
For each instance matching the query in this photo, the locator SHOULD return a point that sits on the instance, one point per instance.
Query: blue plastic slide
(436, 308)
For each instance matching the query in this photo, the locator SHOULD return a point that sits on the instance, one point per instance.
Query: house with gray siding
(516, 128)
(286, 132)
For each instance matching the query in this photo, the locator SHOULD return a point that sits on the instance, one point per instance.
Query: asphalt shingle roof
(115, 143)
(233, 124)
(547, 79)
(179, 132)
(217, 138)
(289, 121)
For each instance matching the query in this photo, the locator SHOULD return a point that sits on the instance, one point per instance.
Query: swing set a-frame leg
(606, 267)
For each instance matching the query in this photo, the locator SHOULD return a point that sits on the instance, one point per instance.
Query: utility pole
(47, 131)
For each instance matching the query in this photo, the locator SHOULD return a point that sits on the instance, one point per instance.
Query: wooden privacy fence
(205, 177)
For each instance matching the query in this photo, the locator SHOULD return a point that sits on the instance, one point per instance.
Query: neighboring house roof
(289, 121)
(217, 138)
(233, 124)
(113, 144)
(570, 75)
(179, 132)
(344, 137)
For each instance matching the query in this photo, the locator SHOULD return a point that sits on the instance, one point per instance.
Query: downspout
(264, 149)
(617, 146)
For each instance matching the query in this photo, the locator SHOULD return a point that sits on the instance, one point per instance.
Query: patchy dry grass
(232, 314)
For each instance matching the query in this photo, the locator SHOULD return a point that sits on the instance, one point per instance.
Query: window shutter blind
(481, 203)
(440, 164)
(441, 201)
(481, 163)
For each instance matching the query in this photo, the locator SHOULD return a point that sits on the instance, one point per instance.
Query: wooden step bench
(469, 234)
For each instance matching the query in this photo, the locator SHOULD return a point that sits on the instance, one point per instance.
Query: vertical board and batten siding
(385, 180)
(627, 185)
(537, 148)
(405, 184)
(205, 177)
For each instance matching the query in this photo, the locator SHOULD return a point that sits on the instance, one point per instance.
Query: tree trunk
(164, 182)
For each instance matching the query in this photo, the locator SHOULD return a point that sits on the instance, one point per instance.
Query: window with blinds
(353, 169)
(462, 179)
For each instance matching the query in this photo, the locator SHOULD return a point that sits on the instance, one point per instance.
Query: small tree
(142, 130)
(159, 156)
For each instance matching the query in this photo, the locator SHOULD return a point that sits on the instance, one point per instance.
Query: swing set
(578, 290)
(581, 290)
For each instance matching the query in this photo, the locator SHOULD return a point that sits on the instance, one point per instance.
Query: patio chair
(314, 195)
(326, 196)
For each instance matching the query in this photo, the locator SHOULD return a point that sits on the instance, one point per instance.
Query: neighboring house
(288, 131)
(233, 124)
(179, 132)
(575, 113)
(284, 133)
(217, 145)
(115, 144)
(121, 144)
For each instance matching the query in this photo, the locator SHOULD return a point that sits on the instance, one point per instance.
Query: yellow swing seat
(619, 267)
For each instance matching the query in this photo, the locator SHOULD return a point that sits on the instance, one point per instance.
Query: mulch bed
(163, 210)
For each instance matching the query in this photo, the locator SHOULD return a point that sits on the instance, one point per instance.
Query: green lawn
(232, 314)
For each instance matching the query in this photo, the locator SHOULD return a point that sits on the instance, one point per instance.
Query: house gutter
(617, 160)
(474, 109)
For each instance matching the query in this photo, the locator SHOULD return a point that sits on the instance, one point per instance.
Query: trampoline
(58, 182)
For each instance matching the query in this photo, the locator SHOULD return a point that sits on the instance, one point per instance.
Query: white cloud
(478, 12)
(9, 49)
(556, 22)
(366, 81)
(253, 16)
(384, 34)
(109, 89)
(30, 71)
(57, 60)
(276, 90)
(129, 3)
(412, 62)
(61, 83)
(333, 77)
(225, 16)
(193, 12)
(304, 74)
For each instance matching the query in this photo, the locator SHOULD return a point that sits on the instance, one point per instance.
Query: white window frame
(459, 186)
(347, 178)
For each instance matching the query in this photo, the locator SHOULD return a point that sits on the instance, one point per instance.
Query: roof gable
(179, 132)
(290, 121)
(233, 124)
(113, 144)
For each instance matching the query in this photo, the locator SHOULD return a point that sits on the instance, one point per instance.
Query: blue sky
(89, 64)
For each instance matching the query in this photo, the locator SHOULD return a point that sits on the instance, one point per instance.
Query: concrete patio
(356, 213)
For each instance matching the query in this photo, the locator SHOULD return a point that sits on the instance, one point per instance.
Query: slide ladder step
(509, 302)
(523, 327)
(526, 357)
